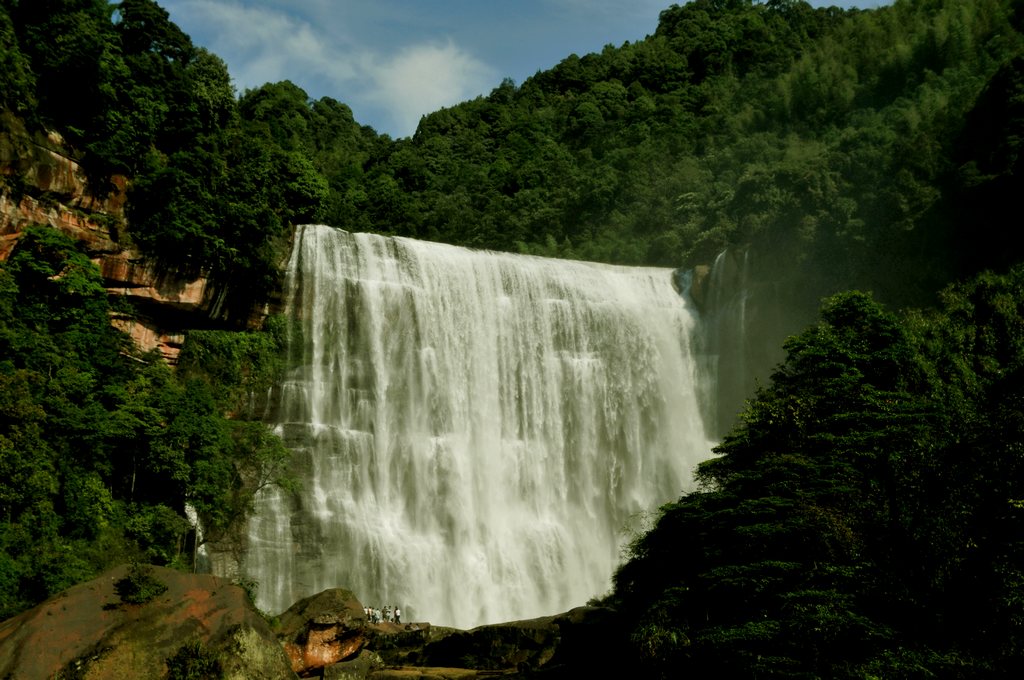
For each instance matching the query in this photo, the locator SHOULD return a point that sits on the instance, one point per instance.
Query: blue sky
(392, 61)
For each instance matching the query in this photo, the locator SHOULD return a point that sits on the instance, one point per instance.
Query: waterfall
(471, 430)
(726, 339)
(744, 323)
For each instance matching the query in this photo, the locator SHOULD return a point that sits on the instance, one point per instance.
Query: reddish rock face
(58, 194)
(166, 296)
(322, 648)
(323, 630)
(16, 214)
(148, 335)
(86, 632)
(130, 275)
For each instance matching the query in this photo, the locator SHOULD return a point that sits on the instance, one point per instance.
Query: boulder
(519, 644)
(87, 632)
(403, 645)
(426, 673)
(580, 643)
(590, 645)
(322, 630)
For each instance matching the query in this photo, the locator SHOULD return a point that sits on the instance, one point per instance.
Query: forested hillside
(132, 95)
(852, 142)
(863, 521)
(103, 448)
(839, 141)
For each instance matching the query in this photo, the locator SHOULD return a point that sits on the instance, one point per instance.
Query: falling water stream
(471, 430)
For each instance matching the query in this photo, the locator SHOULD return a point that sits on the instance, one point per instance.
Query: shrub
(139, 585)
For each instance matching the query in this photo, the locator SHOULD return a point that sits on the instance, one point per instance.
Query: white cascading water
(471, 430)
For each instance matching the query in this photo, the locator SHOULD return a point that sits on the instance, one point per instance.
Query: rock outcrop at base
(322, 630)
(519, 644)
(579, 643)
(88, 633)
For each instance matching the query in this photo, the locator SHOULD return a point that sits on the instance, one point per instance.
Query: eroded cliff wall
(41, 183)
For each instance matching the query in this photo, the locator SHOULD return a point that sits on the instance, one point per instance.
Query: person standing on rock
(398, 614)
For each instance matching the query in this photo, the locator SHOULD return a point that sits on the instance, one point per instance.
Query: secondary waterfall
(472, 431)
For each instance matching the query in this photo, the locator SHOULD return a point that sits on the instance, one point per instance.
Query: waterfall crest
(471, 430)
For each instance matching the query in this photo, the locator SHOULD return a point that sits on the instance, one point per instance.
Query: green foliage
(841, 140)
(193, 661)
(66, 42)
(139, 585)
(210, 192)
(17, 82)
(820, 136)
(863, 520)
(101, 448)
(241, 368)
(246, 363)
(988, 156)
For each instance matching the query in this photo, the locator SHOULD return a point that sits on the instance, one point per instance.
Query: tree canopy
(863, 520)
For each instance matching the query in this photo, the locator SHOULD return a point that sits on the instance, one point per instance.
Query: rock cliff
(40, 183)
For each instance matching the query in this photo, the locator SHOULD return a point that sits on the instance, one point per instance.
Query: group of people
(387, 613)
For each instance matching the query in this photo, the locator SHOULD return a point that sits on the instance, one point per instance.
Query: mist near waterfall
(471, 430)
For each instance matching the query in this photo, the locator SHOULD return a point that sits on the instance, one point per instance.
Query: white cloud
(333, 49)
(423, 78)
(266, 45)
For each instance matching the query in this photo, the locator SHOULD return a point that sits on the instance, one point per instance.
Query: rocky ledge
(327, 636)
(89, 632)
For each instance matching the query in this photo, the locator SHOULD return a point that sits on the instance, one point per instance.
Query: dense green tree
(812, 132)
(863, 521)
(795, 513)
(101, 448)
(17, 82)
(68, 44)
(988, 155)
